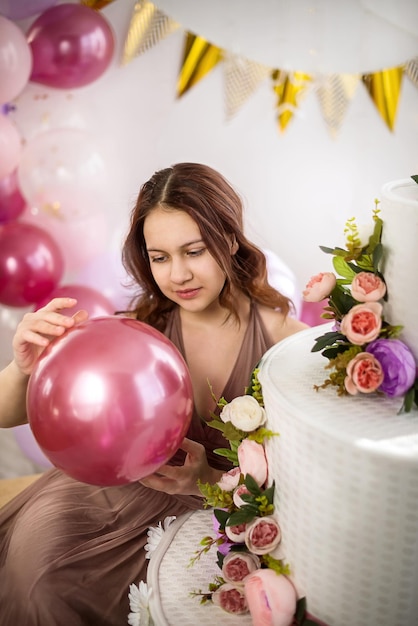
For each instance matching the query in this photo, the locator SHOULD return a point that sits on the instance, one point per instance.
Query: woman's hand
(38, 329)
(182, 479)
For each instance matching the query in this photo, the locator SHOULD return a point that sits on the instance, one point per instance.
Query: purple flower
(398, 365)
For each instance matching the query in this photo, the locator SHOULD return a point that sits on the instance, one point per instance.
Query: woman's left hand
(182, 479)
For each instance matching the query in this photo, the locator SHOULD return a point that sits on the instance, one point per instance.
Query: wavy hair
(205, 195)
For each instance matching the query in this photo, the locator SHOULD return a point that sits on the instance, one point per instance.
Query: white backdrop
(298, 187)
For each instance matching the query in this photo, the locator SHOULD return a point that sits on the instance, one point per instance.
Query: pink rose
(262, 535)
(252, 460)
(362, 323)
(364, 373)
(271, 598)
(319, 287)
(229, 480)
(230, 599)
(237, 565)
(236, 533)
(367, 287)
(239, 491)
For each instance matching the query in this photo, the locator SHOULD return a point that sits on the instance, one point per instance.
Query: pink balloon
(72, 46)
(10, 146)
(110, 401)
(91, 300)
(311, 313)
(15, 60)
(19, 9)
(12, 203)
(31, 264)
(27, 443)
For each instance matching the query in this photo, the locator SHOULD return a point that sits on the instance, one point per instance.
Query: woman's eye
(196, 252)
(158, 259)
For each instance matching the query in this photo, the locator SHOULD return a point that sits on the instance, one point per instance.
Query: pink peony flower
(236, 533)
(237, 565)
(319, 287)
(230, 599)
(262, 535)
(252, 460)
(238, 501)
(229, 480)
(364, 373)
(271, 598)
(362, 323)
(367, 287)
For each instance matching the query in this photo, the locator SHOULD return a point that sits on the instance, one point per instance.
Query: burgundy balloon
(89, 299)
(72, 46)
(110, 401)
(12, 203)
(31, 264)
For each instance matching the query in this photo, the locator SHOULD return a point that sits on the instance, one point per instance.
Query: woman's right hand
(38, 329)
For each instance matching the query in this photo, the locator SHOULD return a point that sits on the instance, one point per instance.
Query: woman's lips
(187, 294)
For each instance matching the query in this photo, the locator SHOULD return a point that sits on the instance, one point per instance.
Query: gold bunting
(199, 58)
(335, 93)
(241, 79)
(411, 70)
(290, 87)
(148, 26)
(384, 89)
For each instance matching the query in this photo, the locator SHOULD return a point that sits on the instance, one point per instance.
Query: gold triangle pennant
(241, 79)
(290, 88)
(335, 92)
(97, 5)
(148, 26)
(411, 70)
(384, 89)
(199, 58)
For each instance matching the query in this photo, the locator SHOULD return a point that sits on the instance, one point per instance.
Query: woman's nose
(180, 271)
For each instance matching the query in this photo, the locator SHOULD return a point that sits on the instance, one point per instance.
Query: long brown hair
(216, 207)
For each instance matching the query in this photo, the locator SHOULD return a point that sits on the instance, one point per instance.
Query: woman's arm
(33, 334)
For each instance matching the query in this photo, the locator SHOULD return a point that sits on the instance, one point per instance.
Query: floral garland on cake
(254, 578)
(364, 351)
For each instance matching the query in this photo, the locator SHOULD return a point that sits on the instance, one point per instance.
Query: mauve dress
(69, 550)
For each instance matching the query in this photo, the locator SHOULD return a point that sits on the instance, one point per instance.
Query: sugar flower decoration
(155, 535)
(364, 351)
(139, 597)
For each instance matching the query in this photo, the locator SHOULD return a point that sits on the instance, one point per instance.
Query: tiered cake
(346, 474)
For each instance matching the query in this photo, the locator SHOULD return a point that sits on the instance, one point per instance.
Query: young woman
(69, 551)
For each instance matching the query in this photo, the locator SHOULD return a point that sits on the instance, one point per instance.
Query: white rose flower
(244, 412)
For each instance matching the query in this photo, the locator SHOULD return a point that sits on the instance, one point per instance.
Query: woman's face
(181, 264)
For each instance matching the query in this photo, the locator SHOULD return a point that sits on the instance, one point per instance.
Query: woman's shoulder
(279, 326)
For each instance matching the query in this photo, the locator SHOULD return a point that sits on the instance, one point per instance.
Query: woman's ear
(234, 246)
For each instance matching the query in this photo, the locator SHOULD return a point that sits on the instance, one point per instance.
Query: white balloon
(313, 36)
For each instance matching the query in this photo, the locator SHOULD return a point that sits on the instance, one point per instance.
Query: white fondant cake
(399, 212)
(346, 472)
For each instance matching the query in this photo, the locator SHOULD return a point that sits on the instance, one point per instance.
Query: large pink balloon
(12, 203)
(89, 299)
(15, 60)
(31, 264)
(72, 46)
(110, 401)
(10, 146)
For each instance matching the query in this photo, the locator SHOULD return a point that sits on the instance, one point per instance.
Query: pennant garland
(241, 79)
(335, 92)
(289, 87)
(149, 26)
(384, 89)
(199, 58)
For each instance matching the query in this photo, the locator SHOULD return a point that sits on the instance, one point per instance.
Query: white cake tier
(346, 473)
(399, 212)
